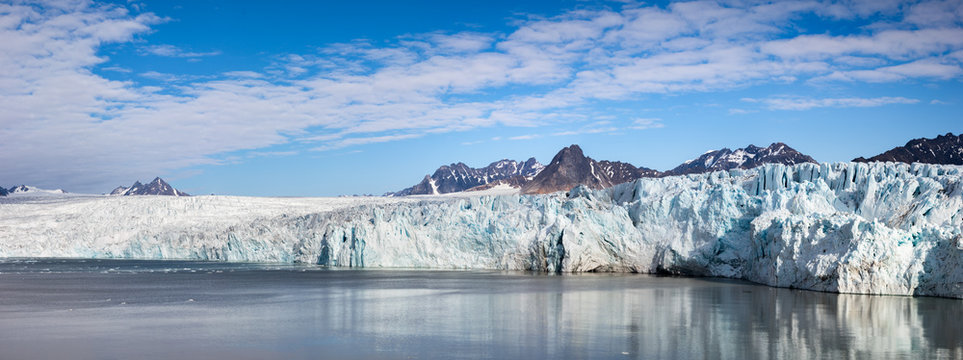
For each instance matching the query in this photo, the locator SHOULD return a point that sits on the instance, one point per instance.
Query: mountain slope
(744, 158)
(460, 177)
(156, 187)
(944, 149)
(33, 191)
(570, 167)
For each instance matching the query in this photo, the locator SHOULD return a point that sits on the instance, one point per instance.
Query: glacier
(868, 228)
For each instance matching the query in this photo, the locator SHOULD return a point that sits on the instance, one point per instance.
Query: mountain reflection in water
(162, 309)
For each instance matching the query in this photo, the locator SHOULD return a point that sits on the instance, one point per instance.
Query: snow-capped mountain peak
(33, 191)
(156, 187)
(743, 158)
(460, 177)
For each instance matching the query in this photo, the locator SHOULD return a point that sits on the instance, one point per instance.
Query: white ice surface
(859, 228)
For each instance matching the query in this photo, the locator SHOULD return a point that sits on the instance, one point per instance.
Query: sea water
(118, 309)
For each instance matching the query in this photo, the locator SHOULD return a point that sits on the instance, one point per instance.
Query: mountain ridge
(457, 177)
(31, 190)
(943, 149)
(570, 167)
(742, 158)
(156, 187)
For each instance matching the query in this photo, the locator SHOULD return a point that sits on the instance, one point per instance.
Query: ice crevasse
(877, 228)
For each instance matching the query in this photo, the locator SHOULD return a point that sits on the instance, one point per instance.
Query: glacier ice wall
(851, 227)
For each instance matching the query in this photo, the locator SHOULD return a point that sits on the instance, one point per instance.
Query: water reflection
(639, 317)
(419, 314)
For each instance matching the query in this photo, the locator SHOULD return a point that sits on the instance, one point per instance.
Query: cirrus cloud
(798, 103)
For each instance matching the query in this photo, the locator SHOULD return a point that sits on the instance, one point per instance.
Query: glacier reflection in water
(163, 309)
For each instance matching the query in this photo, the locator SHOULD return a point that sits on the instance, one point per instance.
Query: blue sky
(308, 98)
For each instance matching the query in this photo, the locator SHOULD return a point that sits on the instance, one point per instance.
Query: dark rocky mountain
(515, 181)
(3, 192)
(461, 177)
(744, 158)
(944, 149)
(156, 187)
(570, 167)
(620, 172)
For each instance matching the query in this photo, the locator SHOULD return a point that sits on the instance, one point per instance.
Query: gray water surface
(116, 309)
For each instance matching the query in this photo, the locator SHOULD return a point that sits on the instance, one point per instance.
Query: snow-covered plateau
(873, 228)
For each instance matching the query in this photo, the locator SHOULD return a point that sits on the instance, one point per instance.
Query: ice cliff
(877, 228)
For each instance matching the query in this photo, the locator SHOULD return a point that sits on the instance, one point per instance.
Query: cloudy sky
(313, 98)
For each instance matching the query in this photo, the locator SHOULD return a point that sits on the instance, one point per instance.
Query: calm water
(97, 309)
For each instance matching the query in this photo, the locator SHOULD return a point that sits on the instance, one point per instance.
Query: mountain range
(156, 187)
(461, 177)
(29, 190)
(944, 149)
(744, 158)
(570, 167)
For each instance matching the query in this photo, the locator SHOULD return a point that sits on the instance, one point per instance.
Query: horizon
(317, 99)
(156, 178)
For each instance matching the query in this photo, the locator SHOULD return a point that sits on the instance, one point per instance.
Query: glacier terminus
(868, 228)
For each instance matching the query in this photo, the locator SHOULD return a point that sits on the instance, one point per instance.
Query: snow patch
(24, 190)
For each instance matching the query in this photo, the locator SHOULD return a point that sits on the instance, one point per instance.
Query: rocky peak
(460, 177)
(570, 167)
(571, 155)
(743, 158)
(156, 187)
(943, 149)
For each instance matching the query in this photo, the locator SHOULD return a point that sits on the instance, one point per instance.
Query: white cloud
(525, 137)
(165, 77)
(889, 44)
(643, 124)
(271, 153)
(173, 51)
(587, 131)
(947, 13)
(63, 125)
(461, 43)
(740, 111)
(244, 74)
(366, 140)
(799, 103)
(116, 69)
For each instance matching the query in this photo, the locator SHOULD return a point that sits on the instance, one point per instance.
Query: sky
(326, 98)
